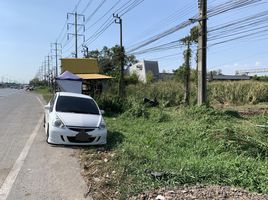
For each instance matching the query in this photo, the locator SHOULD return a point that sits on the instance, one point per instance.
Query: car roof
(70, 94)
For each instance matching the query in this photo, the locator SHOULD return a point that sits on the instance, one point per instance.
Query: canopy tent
(69, 82)
(93, 76)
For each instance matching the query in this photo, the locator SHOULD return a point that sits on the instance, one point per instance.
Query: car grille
(75, 140)
(81, 129)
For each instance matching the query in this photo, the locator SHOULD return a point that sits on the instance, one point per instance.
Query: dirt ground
(200, 193)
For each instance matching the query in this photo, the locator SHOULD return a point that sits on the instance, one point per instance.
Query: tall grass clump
(239, 92)
(168, 92)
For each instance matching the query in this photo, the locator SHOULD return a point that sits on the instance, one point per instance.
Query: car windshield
(76, 105)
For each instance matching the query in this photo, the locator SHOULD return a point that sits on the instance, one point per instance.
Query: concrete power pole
(76, 25)
(118, 20)
(45, 70)
(48, 70)
(85, 51)
(41, 73)
(202, 54)
(75, 32)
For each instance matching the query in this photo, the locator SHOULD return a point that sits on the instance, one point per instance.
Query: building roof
(229, 77)
(93, 76)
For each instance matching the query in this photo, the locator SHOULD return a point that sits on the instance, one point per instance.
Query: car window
(76, 105)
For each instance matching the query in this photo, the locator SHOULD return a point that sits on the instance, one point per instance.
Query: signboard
(80, 65)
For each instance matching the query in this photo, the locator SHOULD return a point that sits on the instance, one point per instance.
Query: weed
(197, 145)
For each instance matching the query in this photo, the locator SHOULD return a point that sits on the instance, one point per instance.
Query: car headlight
(102, 124)
(58, 123)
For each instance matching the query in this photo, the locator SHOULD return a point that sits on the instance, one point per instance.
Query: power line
(178, 14)
(221, 8)
(109, 21)
(87, 6)
(76, 6)
(95, 11)
(130, 7)
(105, 14)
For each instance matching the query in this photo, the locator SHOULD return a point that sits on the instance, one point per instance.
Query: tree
(109, 60)
(215, 72)
(187, 54)
(37, 82)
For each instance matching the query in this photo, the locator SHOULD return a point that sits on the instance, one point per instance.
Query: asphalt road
(29, 167)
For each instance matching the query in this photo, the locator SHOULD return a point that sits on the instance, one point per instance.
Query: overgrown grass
(45, 92)
(170, 93)
(239, 92)
(188, 146)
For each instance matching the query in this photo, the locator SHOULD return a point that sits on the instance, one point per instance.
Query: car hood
(80, 120)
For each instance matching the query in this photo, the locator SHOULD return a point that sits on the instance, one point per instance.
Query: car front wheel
(47, 133)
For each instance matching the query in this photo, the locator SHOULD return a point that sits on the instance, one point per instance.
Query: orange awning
(93, 76)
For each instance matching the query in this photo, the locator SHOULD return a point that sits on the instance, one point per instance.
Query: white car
(74, 119)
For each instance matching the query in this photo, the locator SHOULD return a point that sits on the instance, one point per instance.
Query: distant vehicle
(74, 119)
(29, 88)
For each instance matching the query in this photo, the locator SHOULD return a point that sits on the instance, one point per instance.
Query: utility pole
(45, 70)
(42, 68)
(41, 72)
(85, 51)
(48, 69)
(202, 53)
(56, 48)
(76, 25)
(118, 20)
(75, 32)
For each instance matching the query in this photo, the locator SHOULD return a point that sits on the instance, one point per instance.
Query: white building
(143, 68)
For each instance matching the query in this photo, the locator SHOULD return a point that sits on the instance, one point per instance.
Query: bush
(132, 79)
(138, 110)
(111, 104)
(149, 77)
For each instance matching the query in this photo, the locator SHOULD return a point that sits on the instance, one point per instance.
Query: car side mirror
(47, 107)
(102, 112)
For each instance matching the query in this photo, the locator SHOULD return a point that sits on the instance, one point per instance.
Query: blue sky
(28, 27)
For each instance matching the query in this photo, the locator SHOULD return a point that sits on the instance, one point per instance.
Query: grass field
(45, 92)
(177, 146)
(172, 146)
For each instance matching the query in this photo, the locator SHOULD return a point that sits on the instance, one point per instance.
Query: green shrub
(111, 104)
(132, 79)
(149, 77)
(138, 109)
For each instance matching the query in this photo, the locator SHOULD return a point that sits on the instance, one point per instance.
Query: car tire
(47, 134)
